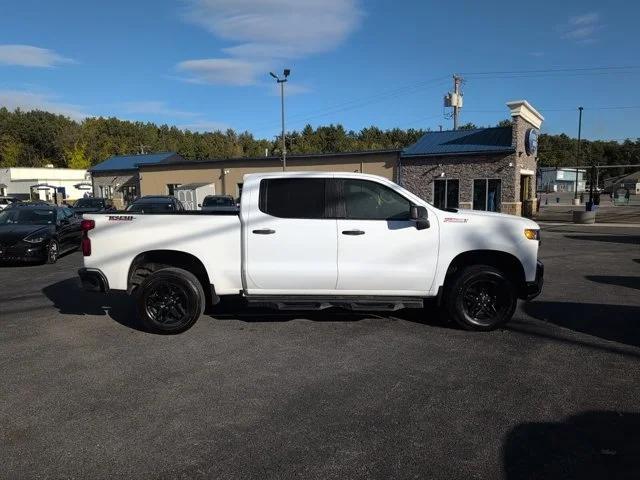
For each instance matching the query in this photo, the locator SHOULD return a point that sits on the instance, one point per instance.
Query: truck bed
(212, 237)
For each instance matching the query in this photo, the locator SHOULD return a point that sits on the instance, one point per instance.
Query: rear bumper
(533, 289)
(93, 280)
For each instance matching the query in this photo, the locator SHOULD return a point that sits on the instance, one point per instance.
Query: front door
(291, 238)
(380, 251)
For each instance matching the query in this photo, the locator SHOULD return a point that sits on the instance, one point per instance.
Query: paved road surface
(85, 394)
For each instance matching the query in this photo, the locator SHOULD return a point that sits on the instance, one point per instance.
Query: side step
(320, 302)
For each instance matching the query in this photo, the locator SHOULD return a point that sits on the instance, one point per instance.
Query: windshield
(218, 202)
(89, 203)
(18, 216)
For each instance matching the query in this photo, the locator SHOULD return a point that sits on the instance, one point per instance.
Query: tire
(169, 301)
(481, 298)
(53, 252)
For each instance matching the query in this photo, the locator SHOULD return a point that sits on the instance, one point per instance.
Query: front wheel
(481, 297)
(53, 250)
(170, 301)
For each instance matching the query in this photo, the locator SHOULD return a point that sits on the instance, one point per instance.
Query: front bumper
(93, 280)
(23, 252)
(533, 289)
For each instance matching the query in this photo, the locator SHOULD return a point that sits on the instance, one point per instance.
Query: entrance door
(291, 238)
(380, 251)
(525, 191)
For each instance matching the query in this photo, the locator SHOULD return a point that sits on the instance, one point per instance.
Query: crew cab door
(380, 250)
(291, 243)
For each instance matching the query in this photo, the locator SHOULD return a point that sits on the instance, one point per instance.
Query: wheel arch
(503, 261)
(147, 262)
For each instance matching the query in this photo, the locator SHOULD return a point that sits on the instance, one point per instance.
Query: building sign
(531, 141)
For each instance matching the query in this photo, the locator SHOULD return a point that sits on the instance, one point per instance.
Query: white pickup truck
(311, 241)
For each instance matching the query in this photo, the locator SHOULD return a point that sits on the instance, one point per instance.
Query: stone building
(490, 169)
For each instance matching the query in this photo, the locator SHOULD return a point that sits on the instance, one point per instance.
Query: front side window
(366, 200)
(293, 197)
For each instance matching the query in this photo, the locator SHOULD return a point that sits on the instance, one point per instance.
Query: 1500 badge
(123, 218)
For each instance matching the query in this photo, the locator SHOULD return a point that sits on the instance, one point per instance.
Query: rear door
(380, 251)
(291, 237)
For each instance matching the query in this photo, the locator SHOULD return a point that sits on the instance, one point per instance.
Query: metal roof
(191, 186)
(291, 156)
(452, 142)
(131, 162)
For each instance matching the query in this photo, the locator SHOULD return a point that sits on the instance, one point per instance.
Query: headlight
(35, 237)
(532, 233)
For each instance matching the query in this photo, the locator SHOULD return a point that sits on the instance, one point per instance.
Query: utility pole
(454, 100)
(576, 196)
(282, 81)
(456, 106)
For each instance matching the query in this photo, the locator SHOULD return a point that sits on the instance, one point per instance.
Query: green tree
(10, 151)
(76, 156)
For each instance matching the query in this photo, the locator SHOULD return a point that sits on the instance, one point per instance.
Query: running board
(321, 302)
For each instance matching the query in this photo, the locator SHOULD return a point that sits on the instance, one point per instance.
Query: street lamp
(282, 81)
(575, 197)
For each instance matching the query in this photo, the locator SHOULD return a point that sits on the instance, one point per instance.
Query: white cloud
(221, 71)
(582, 28)
(154, 107)
(29, 56)
(26, 100)
(266, 33)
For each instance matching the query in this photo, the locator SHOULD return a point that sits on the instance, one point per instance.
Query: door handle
(264, 231)
(352, 232)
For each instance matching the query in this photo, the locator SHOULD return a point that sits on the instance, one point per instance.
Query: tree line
(37, 138)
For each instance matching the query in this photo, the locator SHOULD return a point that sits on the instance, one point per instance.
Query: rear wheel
(170, 301)
(481, 297)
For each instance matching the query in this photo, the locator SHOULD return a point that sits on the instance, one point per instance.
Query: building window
(487, 194)
(129, 193)
(171, 188)
(106, 191)
(446, 193)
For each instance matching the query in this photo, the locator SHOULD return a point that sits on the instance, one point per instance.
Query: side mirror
(420, 216)
(199, 205)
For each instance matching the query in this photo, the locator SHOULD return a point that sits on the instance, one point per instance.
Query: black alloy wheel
(481, 297)
(170, 300)
(53, 251)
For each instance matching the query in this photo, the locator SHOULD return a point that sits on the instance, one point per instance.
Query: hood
(11, 234)
(501, 217)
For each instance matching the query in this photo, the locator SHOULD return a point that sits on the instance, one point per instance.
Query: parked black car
(156, 204)
(92, 205)
(220, 204)
(37, 233)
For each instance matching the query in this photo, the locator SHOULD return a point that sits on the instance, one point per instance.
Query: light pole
(575, 197)
(282, 81)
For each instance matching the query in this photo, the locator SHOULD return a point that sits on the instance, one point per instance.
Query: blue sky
(203, 64)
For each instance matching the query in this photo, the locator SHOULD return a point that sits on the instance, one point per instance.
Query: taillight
(87, 225)
(85, 243)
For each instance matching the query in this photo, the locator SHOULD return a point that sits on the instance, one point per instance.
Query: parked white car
(311, 241)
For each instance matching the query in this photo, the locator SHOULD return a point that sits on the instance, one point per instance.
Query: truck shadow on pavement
(618, 323)
(632, 239)
(69, 298)
(594, 444)
(618, 280)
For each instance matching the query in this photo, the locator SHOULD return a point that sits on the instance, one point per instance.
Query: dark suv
(92, 205)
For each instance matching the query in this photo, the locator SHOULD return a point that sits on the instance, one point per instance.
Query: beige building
(227, 175)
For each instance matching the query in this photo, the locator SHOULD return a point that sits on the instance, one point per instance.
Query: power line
(548, 70)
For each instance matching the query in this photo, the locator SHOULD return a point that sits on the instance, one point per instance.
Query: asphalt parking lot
(251, 394)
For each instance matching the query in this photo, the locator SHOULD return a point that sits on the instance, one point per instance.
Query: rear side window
(293, 197)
